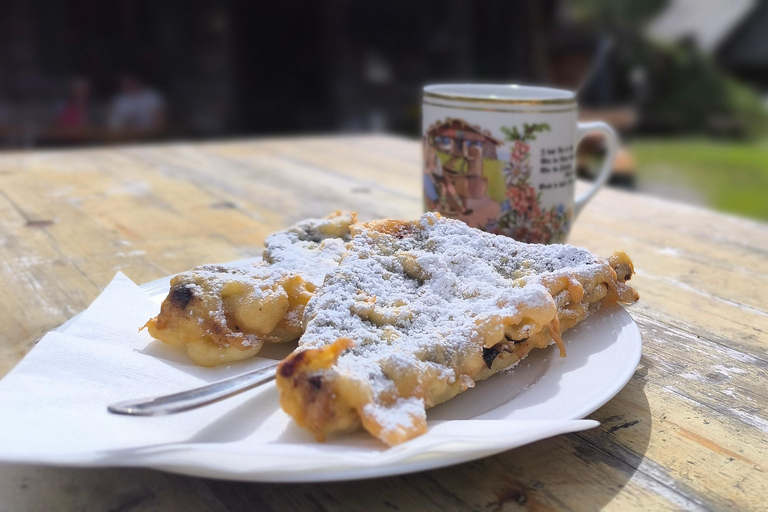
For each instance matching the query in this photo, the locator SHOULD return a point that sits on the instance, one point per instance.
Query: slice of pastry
(417, 312)
(226, 313)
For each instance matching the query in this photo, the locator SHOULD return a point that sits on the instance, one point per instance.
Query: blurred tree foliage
(676, 87)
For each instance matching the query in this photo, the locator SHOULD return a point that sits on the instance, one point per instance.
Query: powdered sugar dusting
(312, 260)
(419, 302)
(303, 249)
(402, 413)
(310, 249)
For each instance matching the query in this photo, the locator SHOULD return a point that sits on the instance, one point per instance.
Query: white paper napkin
(53, 410)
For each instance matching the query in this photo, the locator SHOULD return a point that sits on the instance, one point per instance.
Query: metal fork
(197, 397)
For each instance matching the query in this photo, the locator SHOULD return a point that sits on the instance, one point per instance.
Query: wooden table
(687, 432)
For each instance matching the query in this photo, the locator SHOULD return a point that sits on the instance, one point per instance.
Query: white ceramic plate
(253, 440)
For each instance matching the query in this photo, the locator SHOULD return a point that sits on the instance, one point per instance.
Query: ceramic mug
(502, 158)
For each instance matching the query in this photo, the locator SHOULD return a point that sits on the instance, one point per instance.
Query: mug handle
(612, 140)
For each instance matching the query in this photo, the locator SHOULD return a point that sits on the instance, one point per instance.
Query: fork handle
(197, 397)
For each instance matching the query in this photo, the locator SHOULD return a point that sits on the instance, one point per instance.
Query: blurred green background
(698, 70)
(731, 176)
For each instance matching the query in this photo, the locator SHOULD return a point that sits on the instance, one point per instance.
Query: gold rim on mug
(491, 98)
(570, 108)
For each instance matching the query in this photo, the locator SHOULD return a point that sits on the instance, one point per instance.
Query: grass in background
(729, 176)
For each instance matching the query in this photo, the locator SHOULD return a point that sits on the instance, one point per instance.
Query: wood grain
(688, 432)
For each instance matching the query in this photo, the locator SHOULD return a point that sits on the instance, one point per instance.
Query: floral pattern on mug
(522, 216)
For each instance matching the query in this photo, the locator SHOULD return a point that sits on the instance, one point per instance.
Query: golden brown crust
(308, 395)
(220, 313)
(495, 301)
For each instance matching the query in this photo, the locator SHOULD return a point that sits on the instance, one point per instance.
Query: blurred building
(732, 32)
(745, 49)
(708, 23)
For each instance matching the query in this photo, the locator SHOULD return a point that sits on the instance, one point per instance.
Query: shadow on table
(584, 470)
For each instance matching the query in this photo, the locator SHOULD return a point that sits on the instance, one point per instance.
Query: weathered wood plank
(36, 488)
(41, 287)
(700, 306)
(698, 456)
